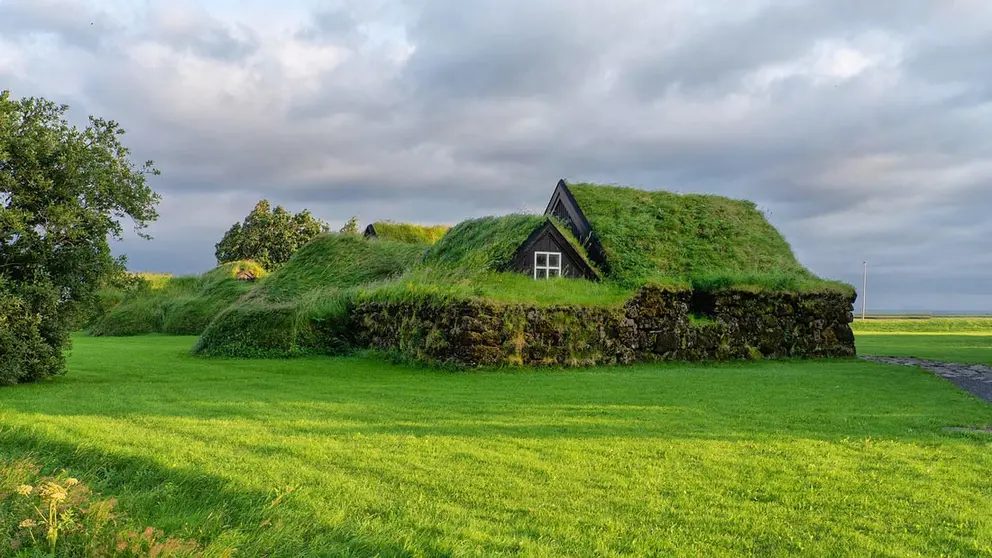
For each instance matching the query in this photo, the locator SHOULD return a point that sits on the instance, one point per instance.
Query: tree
(268, 236)
(63, 193)
(351, 227)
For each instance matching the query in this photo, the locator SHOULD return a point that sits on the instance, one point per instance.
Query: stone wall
(655, 325)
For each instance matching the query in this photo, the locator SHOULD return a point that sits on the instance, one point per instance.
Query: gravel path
(973, 378)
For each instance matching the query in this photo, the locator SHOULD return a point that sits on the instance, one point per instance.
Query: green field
(815, 458)
(929, 325)
(961, 340)
(964, 348)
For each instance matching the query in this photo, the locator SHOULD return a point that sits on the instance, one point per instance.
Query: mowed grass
(960, 340)
(825, 458)
(930, 325)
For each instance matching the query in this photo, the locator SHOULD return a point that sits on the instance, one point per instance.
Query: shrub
(268, 236)
(31, 338)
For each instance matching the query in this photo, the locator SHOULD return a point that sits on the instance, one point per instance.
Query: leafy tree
(63, 192)
(351, 227)
(268, 236)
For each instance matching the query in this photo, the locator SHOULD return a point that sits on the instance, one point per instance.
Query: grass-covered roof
(490, 243)
(487, 243)
(337, 260)
(408, 232)
(706, 240)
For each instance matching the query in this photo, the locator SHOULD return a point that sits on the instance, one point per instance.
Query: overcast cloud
(863, 128)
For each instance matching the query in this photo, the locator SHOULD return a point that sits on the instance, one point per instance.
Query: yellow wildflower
(24, 489)
(27, 523)
(70, 482)
(53, 492)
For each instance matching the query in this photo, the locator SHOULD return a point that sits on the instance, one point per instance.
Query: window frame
(547, 268)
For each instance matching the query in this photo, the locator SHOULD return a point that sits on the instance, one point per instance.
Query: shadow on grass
(219, 517)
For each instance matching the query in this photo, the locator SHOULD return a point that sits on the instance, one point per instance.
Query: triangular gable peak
(564, 208)
(548, 242)
(370, 231)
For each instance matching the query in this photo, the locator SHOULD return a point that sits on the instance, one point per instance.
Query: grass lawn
(817, 458)
(965, 348)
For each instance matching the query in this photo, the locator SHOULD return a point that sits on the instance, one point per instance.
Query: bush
(31, 335)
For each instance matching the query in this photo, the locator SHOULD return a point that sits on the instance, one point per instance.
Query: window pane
(554, 260)
(542, 273)
(554, 272)
(542, 259)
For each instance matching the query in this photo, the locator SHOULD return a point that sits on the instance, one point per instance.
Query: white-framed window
(547, 264)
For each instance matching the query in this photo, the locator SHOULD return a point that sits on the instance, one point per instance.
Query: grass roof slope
(487, 243)
(410, 233)
(490, 243)
(340, 261)
(303, 307)
(472, 261)
(703, 239)
(159, 303)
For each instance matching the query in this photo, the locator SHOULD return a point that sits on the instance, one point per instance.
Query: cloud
(861, 132)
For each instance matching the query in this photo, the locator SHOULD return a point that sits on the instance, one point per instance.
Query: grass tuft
(409, 233)
(160, 303)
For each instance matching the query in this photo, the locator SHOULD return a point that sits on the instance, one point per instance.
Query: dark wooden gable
(370, 231)
(548, 238)
(564, 207)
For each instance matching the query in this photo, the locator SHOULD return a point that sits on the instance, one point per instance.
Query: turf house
(606, 275)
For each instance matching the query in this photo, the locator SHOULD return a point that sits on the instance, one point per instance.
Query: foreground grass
(358, 457)
(964, 348)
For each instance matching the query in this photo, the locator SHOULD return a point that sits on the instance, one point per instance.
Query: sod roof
(693, 237)
(408, 232)
(337, 260)
(489, 243)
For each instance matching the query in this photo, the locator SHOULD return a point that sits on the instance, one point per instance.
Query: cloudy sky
(863, 128)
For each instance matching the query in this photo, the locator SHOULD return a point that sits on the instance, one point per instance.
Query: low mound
(304, 306)
(340, 261)
(408, 232)
(177, 305)
(706, 240)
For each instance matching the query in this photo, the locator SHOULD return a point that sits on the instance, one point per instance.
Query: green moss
(409, 233)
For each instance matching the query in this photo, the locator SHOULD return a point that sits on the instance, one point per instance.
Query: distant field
(925, 325)
(359, 457)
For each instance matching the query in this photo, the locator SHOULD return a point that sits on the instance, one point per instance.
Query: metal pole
(864, 292)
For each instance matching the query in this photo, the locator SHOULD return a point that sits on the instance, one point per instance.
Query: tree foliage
(351, 227)
(63, 192)
(268, 236)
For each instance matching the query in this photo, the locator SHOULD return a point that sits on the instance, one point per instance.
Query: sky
(862, 129)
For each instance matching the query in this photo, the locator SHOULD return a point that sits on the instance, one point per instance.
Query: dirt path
(973, 378)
